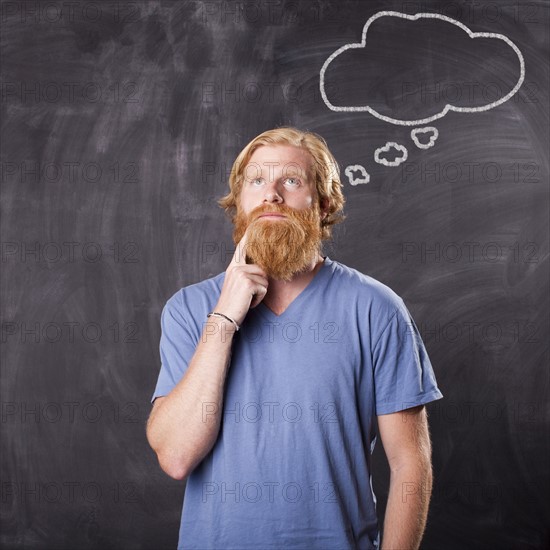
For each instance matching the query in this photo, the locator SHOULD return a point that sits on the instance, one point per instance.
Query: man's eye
(257, 181)
(292, 181)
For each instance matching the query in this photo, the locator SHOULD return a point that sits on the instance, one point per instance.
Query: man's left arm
(406, 442)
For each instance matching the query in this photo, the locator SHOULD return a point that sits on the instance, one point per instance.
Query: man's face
(278, 179)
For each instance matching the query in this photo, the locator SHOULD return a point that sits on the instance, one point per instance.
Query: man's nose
(272, 192)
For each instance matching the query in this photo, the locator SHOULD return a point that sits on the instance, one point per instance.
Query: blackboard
(120, 122)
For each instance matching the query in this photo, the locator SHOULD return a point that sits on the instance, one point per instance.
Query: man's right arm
(184, 425)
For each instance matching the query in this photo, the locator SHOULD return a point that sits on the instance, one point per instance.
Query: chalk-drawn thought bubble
(352, 172)
(391, 150)
(424, 138)
(444, 67)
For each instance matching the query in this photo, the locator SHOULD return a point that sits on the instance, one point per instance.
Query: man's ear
(324, 205)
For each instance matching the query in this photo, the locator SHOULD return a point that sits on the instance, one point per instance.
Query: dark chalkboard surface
(120, 122)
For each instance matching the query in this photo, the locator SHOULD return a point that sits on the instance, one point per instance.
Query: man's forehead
(286, 158)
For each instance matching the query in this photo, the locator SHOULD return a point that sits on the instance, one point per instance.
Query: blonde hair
(326, 172)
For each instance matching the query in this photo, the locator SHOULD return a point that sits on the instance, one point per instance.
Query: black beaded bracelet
(225, 317)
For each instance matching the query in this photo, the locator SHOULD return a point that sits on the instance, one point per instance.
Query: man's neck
(280, 291)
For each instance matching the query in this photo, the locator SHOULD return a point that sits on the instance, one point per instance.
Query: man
(274, 374)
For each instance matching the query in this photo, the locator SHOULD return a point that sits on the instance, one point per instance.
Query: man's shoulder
(351, 280)
(196, 293)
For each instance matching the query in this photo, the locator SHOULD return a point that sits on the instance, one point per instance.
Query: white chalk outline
(385, 149)
(349, 173)
(447, 107)
(433, 138)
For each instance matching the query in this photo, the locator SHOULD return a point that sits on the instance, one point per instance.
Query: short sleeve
(403, 373)
(177, 346)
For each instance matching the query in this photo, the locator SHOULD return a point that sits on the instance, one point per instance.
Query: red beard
(280, 247)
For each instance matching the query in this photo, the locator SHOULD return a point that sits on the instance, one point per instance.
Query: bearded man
(276, 372)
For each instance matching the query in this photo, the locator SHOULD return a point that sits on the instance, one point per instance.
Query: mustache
(287, 211)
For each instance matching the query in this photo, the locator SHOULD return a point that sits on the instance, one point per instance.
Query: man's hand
(244, 287)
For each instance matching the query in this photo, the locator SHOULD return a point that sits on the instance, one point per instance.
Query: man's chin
(282, 260)
(281, 273)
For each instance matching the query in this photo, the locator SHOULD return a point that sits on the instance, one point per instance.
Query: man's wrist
(215, 327)
(224, 316)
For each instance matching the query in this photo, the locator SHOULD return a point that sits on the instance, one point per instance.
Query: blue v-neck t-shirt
(291, 466)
